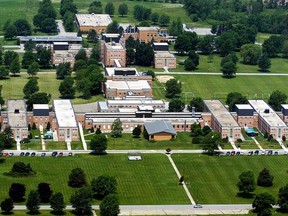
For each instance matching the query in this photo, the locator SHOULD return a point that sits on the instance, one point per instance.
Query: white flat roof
(271, 118)
(114, 46)
(64, 113)
(93, 19)
(40, 106)
(285, 106)
(163, 54)
(128, 85)
(160, 44)
(148, 28)
(222, 115)
(243, 106)
(60, 43)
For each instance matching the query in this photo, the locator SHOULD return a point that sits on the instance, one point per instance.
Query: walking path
(233, 145)
(282, 145)
(257, 143)
(219, 74)
(179, 176)
(82, 136)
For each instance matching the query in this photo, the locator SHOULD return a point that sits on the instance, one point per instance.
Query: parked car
(256, 152)
(5, 154)
(263, 152)
(43, 154)
(1, 154)
(22, 153)
(275, 153)
(33, 154)
(11, 154)
(54, 153)
(232, 153)
(238, 153)
(27, 153)
(70, 154)
(270, 152)
(250, 153)
(228, 153)
(197, 206)
(60, 154)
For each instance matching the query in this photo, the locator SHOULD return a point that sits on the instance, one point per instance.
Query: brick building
(97, 22)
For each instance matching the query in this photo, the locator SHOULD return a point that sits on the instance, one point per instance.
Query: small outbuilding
(159, 130)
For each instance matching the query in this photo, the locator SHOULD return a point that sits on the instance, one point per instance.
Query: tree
(141, 13)
(229, 69)
(155, 17)
(173, 88)
(44, 57)
(99, 143)
(130, 56)
(23, 27)
(38, 98)
(44, 191)
(206, 130)
(206, 44)
(103, 186)
(81, 200)
(9, 57)
(144, 54)
(264, 62)
(285, 49)
(30, 87)
(176, 27)
(262, 203)
(185, 42)
(48, 126)
(95, 7)
(77, 178)
(1, 98)
(33, 201)
(98, 131)
(235, 98)
(80, 64)
(231, 57)
(7, 205)
(8, 137)
(211, 142)
(273, 45)
(15, 66)
(192, 62)
(92, 36)
(116, 128)
(164, 20)
(81, 55)
(68, 19)
(17, 192)
(123, 9)
(264, 178)
(21, 169)
(28, 58)
(57, 202)
(276, 99)
(283, 199)
(29, 45)
(109, 8)
(189, 64)
(197, 103)
(3, 72)
(195, 130)
(176, 105)
(33, 68)
(63, 70)
(109, 206)
(67, 5)
(251, 53)
(137, 131)
(227, 42)
(66, 88)
(246, 182)
(113, 27)
(10, 32)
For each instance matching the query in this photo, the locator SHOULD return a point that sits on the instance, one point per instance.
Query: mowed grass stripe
(150, 181)
(214, 179)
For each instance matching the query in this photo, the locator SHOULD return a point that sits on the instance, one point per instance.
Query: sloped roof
(159, 126)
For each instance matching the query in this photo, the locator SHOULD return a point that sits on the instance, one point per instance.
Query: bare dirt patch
(164, 79)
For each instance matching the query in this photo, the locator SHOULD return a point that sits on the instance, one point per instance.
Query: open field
(213, 179)
(217, 87)
(183, 141)
(150, 181)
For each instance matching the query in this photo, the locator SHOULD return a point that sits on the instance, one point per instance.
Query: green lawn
(213, 179)
(183, 141)
(150, 181)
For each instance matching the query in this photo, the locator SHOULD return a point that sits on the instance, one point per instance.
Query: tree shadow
(32, 77)
(228, 77)
(2, 160)
(58, 212)
(264, 71)
(7, 213)
(245, 195)
(81, 214)
(34, 212)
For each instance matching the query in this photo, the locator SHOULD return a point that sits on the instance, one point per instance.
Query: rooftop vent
(16, 111)
(266, 111)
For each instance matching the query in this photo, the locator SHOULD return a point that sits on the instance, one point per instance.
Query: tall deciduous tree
(63, 70)
(81, 200)
(3, 72)
(198, 103)
(99, 143)
(283, 199)
(123, 9)
(229, 69)
(117, 128)
(173, 88)
(23, 27)
(276, 99)
(57, 202)
(176, 27)
(33, 69)
(77, 178)
(251, 53)
(211, 141)
(7, 205)
(235, 98)
(246, 183)
(66, 88)
(264, 62)
(17, 192)
(176, 105)
(38, 98)
(30, 87)
(103, 186)
(137, 131)
(265, 179)
(15, 66)
(44, 191)
(109, 8)
(109, 206)
(263, 204)
(164, 20)
(33, 201)
(186, 41)
(144, 54)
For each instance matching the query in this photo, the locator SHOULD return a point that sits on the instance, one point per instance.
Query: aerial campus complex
(141, 112)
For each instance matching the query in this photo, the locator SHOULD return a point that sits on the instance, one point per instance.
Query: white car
(198, 206)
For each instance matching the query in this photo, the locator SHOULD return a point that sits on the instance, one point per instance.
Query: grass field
(150, 181)
(217, 87)
(183, 141)
(213, 179)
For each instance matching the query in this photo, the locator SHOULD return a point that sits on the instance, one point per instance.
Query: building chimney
(193, 111)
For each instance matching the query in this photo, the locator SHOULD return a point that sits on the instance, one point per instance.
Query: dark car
(270, 152)
(1, 154)
(33, 154)
(70, 154)
(54, 153)
(256, 152)
(11, 154)
(228, 153)
(5, 154)
(43, 154)
(275, 153)
(27, 153)
(22, 153)
(250, 153)
(60, 154)
(232, 153)
(238, 153)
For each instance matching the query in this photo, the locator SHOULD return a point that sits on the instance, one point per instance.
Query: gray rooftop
(222, 115)
(51, 38)
(158, 127)
(17, 115)
(85, 108)
(64, 113)
(93, 19)
(270, 117)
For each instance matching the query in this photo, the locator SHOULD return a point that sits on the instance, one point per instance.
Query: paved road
(168, 209)
(62, 31)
